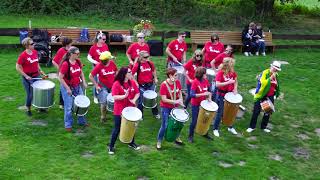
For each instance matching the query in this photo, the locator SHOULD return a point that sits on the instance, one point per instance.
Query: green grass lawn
(35, 152)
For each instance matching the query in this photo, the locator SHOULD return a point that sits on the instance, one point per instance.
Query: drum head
(110, 98)
(180, 115)
(209, 105)
(132, 113)
(149, 94)
(82, 101)
(43, 84)
(210, 72)
(233, 98)
(179, 69)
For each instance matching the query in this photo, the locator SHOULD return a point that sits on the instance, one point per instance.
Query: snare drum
(267, 106)
(129, 123)
(149, 99)
(210, 75)
(181, 76)
(176, 121)
(110, 102)
(43, 94)
(231, 107)
(206, 114)
(81, 105)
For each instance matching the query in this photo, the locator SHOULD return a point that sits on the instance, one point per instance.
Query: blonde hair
(227, 65)
(26, 42)
(198, 51)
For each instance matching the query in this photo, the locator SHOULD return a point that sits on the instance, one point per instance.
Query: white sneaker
(246, 54)
(257, 53)
(266, 130)
(157, 116)
(263, 54)
(250, 54)
(95, 100)
(216, 133)
(249, 130)
(233, 131)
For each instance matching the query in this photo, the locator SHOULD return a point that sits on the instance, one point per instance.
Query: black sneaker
(134, 146)
(111, 150)
(208, 137)
(180, 143)
(190, 139)
(29, 113)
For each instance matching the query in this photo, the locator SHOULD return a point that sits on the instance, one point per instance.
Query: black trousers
(256, 112)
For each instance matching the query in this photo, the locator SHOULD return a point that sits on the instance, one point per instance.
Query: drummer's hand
(98, 88)
(69, 91)
(231, 81)
(126, 93)
(156, 80)
(132, 101)
(28, 77)
(85, 85)
(235, 91)
(180, 102)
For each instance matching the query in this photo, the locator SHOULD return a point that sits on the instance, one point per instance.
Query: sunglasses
(31, 44)
(146, 57)
(140, 37)
(198, 55)
(183, 36)
(77, 53)
(104, 39)
(129, 71)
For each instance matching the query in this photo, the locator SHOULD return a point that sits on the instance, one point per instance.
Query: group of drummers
(208, 78)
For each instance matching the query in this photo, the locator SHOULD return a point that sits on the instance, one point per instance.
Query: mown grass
(32, 152)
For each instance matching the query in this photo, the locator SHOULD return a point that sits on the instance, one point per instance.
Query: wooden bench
(226, 37)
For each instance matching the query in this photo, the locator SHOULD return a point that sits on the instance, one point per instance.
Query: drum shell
(110, 104)
(173, 129)
(79, 111)
(210, 76)
(230, 111)
(267, 106)
(148, 102)
(43, 98)
(181, 76)
(127, 130)
(204, 121)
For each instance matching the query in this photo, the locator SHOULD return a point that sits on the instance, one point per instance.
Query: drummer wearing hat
(135, 48)
(106, 71)
(267, 88)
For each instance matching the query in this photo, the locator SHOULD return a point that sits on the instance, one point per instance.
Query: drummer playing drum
(70, 77)
(171, 97)
(267, 88)
(27, 65)
(146, 77)
(125, 92)
(226, 81)
(199, 92)
(177, 50)
(190, 68)
(106, 70)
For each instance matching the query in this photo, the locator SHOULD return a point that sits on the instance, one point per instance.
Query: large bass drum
(43, 94)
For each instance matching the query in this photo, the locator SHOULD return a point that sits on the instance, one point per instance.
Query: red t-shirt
(164, 91)
(212, 51)
(29, 63)
(273, 87)
(145, 72)
(190, 68)
(95, 51)
(224, 78)
(135, 48)
(75, 73)
(117, 89)
(219, 59)
(177, 49)
(106, 73)
(199, 87)
(60, 53)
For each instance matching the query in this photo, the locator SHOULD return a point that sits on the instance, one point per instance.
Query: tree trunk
(264, 7)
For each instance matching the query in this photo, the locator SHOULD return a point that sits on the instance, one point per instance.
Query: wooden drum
(129, 123)
(231, 107)
(206, 114)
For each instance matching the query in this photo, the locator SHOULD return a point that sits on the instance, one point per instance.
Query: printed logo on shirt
(106, 73)
(194, 67)
(227, 78)
(32, 60)
(144, 69)
(213, 50)
(177, 48)
(204, 89)
(138, 51)
(98, 51)
(72, 70)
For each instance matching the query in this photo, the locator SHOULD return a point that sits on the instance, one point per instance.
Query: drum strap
(174, 90)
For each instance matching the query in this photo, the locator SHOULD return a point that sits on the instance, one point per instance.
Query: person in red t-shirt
(135, 48)
(66, 44)
(190, 68)
(107, 71)
(27, 65)
(70, 77)
(96, 49)
(146, 77)
(177, 50)
(226, 81)
(125, 93)
(215, 63)
(200, 90)
(169, 99)
(212, 49)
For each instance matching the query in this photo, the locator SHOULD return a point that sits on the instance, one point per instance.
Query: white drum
(110, 102)
(181, 76)
(81, 105)
(180, 115)
(149, 99)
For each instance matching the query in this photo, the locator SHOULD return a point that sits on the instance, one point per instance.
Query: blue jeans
(29, 91)
(165, 112)
(220, 103)
(188, 98)
(68, 103)
(261, 46)
(195, 112)
(116, 130)
(172, 64)
(94, 92)
(140, 106)
(213, 91)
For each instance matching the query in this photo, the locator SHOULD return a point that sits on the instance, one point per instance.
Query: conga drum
(149, 99)
(81, 105)
(129, 122)
(181, 76)
(206, 114)
(43, 94)
(231, 107)
(176, 121)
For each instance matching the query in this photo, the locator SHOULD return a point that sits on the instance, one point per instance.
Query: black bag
(156, 47)
(116, 38)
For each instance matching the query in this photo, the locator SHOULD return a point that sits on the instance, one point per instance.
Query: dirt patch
(9, 98)
(275, 157)
(281, 96)
(317, 131)
(270, 126)
(39, 123)
(142, 178)
(252, 138)
(80, 133)
(301, 153)
(225, 164)
(239, 135)
(145, 148)
(215, 153)
(253, 146)
(273, 178)
(242, 163)
(52, 76)
(252, 91)
(87, 154)
(295, 125)
(303, 136)
(22, 108)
